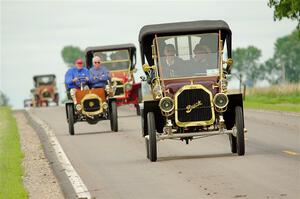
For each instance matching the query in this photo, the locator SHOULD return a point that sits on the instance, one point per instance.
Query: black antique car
(187, 65)
(120, 60)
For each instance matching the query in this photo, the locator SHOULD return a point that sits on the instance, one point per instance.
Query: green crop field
(11, 172)
(282, 98)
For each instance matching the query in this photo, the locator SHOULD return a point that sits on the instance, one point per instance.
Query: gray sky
(34, 32)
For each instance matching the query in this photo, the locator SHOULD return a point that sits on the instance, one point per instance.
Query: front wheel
(138, 110)
(147, 147)
(113, 117)
(239, 124)
(152, 137)
(70, 112)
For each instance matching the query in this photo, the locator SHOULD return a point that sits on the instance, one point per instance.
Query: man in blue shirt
(74, 77)
(98, 74)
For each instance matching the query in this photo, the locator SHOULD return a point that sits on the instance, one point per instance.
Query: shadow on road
(170, 158)
(95, 133)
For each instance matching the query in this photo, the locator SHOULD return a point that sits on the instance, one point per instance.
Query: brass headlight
(221, 100)
(78, 107)
(166, 104)
(105, 105)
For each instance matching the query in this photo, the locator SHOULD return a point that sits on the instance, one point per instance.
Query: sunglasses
(97, 62)
(79, 63)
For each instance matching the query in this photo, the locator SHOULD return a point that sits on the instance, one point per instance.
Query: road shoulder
(39, 179)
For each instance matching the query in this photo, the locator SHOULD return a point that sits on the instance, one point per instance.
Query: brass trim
(189, 108)
(91, 96)
(195, 123)
(226, 99)
(161, 102)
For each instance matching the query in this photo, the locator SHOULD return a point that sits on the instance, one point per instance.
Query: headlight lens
(166, 104)
(104, 105)
(78, 107)
(221, 100)
(128, 86)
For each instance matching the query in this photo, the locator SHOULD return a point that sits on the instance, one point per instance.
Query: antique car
(187, 65)
(91, 105)
(45, 90)
(28, 103)
(120, 60)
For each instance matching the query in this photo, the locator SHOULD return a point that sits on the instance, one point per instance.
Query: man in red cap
(76, 77)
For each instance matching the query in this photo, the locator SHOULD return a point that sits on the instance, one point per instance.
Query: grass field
(11, 172)
(281, 97)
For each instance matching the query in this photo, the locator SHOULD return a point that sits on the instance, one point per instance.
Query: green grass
(282, 98)
(11, 171)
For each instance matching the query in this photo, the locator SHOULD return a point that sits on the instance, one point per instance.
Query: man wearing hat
(74, 77)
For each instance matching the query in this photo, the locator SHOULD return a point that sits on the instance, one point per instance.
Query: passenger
(98, 74)
(171, 64)
(74, 78)
(201, 61)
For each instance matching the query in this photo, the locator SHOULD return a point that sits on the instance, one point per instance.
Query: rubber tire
(147, 148)
(138, 110)
(232, 140)
(152, 137)
(240, 138)
(140, 99)
(70, 112)
(113, 117)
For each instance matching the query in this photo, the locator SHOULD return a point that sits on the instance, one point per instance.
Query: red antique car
(45, 90)
(120, 60)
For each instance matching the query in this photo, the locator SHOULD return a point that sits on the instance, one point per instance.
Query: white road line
(78, 185)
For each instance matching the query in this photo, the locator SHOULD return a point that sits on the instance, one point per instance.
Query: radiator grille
(91, 105)
(199, 100)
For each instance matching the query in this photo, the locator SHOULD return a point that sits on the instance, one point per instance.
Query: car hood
(173, 85)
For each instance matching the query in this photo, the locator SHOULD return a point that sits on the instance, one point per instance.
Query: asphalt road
(114, 165)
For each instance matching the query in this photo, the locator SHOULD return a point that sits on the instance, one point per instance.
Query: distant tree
(4, 101)
(71, 53)
(286, 9)
(246, 63)
(287, 57)
(270, 71)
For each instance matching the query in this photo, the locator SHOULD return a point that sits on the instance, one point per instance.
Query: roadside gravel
(39, 179)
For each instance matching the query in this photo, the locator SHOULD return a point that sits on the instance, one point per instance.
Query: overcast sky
(33, 33)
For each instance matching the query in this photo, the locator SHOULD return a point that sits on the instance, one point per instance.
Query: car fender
(234, 100)
(151, 106)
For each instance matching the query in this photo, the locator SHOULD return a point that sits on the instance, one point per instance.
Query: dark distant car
(187, 65)
(45, 90)
(28, 103)
(120, 60)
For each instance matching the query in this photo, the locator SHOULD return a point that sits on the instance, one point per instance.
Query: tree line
(283, 67)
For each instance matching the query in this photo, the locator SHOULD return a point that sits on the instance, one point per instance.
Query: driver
(98, 74)
(74, 77)
(171, 63)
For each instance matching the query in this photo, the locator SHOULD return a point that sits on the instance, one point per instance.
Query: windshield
(47, 80)
(188, 55)
(114, 60)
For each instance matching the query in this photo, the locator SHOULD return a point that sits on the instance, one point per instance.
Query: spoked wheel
(113, 117)
(70, 112)
(239, 124)
(152, 137)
